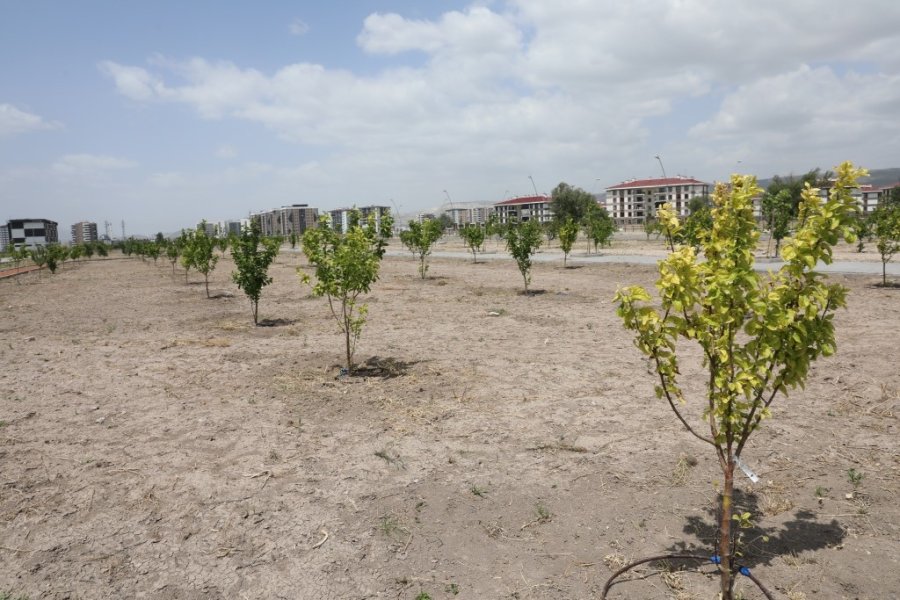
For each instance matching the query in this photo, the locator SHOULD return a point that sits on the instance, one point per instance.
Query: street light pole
(661, 166)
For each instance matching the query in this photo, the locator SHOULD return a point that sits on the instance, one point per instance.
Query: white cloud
(91, 163)
(298, 27)
(14, 121)
(565, 91)
(226, 151)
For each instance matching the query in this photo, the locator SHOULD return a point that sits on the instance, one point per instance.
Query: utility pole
(123, 230)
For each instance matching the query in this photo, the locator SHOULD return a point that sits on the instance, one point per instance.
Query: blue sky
(166, 113)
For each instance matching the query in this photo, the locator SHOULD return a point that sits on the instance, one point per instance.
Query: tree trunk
(347, 344)
(883, 274)
(254, 307)
(727, 509)
(206, 280)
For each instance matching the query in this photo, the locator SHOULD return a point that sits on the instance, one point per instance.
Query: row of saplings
(758, 333)
(53, 255)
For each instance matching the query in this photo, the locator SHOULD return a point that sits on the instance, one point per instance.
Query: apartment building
(340, 217)
(84, 231)
(632, 202)
(285, 220)
(467, 214)
(32, 232)
(524, 208)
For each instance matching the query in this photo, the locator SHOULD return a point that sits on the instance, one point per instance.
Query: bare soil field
(154, 444)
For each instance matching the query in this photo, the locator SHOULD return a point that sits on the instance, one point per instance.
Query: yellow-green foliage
(758, 333)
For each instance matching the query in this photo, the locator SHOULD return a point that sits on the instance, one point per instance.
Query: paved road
(861, 268)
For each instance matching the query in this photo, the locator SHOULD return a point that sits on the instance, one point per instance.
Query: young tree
(522, 240)
(76, 252)
(202, 253)
(886, 228)
(473, 238)
(173, 252)
(186, 243)
(758, 334)
(346, 266)
(252, 256)
(777, 210)
(598, 226)
(18, 255)
(56, 255)
(39, 256)
(568, 233)
(88, 249)
(419, 239)
(293, 238)
(101, 249)
(222, 243)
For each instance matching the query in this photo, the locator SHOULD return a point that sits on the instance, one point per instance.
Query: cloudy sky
(163, 113)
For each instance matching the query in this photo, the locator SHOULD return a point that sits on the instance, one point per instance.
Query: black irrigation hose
(742, 570)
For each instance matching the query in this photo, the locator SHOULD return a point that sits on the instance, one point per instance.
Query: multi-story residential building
(634, 201)
(84, 231)
(465, 214)
(524, 209)
(340, 217)
(227, 228)
(4, 237)
(286, 220)
(32, 232)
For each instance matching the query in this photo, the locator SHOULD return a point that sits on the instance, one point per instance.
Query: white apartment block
(524, 208)
(467, 214)
(632, 202)
(286, 220)
(340, 217)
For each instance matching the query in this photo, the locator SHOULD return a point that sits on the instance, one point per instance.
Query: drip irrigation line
(713, 559)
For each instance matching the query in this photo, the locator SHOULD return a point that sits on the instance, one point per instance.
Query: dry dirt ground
(153, 444)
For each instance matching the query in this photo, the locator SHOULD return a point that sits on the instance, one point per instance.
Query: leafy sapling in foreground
(522, 240)
(758, 334)
(346, 266)
(252, 255)
(419, 238)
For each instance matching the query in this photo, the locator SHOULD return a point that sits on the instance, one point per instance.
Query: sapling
(568, 233)
(252, 255)
(203, 256)
(420, 238)
(39, 256)
(886, 227)
(522, 240)
(18, 255)
(473, 237)
(758, 334)
(346, 266)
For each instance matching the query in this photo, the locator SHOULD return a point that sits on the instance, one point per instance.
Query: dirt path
(153, 444)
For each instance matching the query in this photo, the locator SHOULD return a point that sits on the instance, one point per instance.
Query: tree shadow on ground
(274, 322)
(383, 368)
(760, 545)
(532, 292)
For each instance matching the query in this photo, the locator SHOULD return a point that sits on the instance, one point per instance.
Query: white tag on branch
(747, 471)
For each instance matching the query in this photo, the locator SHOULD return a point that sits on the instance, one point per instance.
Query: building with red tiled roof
(523, 209)
(634, 201)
